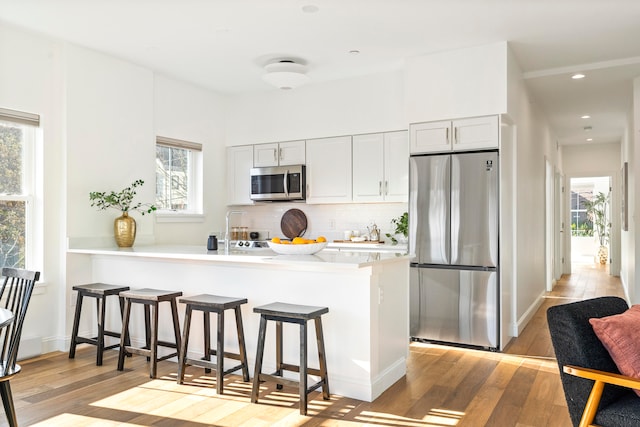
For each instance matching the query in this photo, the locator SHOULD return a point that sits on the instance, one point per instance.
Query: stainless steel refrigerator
(453, 232)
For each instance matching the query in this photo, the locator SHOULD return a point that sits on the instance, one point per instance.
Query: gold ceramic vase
(124, 230)
(603, 254)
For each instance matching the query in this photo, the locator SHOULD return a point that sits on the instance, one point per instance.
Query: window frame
(194, 183)
(31, 174)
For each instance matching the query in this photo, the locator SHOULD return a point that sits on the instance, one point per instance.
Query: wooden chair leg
(302, 385)
(279, 370)
(322, 359)
(591, 407)
(153, 346)
(259, 355)
(220, 354)
(101, 310)
(182, 357)
(241, 344)
(76, 326)
(124, 336)
(7, 402)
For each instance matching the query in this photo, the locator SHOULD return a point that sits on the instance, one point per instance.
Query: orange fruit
(275, 240)
(321, 239)
(298, 241)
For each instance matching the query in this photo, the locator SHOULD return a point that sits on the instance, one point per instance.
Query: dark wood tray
(293, 223)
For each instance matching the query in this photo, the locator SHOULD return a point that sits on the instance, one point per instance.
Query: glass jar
(244, 233)
(235, 233)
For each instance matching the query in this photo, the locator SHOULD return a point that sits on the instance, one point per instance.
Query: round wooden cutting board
(293, 223)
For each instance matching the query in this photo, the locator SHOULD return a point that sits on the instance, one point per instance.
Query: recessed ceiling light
(586, 116)
(310, 8)
(578, 76)
(589, 139)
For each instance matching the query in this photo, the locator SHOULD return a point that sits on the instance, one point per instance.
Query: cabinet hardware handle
(386, 188)
(447, 135)
(379, 188)
(455, 135)
(275, 157)
(280, 153)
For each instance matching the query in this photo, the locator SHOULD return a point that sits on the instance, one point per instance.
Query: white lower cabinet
(381, 167)
(329, 170)
(239, 164)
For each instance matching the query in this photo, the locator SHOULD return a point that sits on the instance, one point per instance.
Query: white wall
(459, 83)
(31, 80)
(344, 107)
(190, 113)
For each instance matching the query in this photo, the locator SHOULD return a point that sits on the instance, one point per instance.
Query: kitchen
(165, 106)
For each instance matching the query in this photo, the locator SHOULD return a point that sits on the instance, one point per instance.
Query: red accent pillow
(620, 335)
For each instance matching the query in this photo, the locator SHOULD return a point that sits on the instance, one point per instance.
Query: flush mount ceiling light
(578, 76)
(586, 116)
(285, 74)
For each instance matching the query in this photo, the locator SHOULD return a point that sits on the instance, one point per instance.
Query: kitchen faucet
(227, 239)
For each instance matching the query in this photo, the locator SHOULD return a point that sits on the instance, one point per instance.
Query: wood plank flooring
(444, 386)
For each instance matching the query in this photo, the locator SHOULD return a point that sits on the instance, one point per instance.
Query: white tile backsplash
(322, 220)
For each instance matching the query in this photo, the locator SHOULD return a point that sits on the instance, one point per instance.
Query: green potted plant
(124, 227)
(401, 228)
(597, 211)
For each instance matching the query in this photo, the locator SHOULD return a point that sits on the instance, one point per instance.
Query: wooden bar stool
(297, 314)
(99, 291)
(213, 304)
(150, 298)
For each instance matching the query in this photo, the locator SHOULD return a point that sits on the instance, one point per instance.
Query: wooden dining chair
(15, 294)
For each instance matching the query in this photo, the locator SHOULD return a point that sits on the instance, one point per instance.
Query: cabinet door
(396, 167)
(239, 164)
(329, 170)
(475, 133)
(291, 153)
(368, 168)
(265, 155)
(430, 137)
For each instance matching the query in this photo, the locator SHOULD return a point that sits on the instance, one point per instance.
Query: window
(17, 143)
(178, 176)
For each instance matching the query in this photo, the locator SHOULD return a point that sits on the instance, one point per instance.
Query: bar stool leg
(121, 302)
(279, 369)
(76, 325)
(322, 359)
(303, 368)
(220, 354)
(259, 355)
(183, 347)
(101, 310)
(147, 328)
(124, 336)
(154, 341)
(176, 322)
(206, 317)
(241, 344)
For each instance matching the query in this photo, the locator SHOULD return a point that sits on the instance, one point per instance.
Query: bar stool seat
(150, 299)
(296, 314)
(213, 304)
(99, 291)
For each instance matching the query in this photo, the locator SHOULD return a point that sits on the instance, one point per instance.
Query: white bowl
(302, 249)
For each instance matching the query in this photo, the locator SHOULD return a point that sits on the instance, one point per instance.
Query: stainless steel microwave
(278, 183)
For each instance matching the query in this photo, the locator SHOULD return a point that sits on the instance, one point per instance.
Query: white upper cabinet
(329, 170)
(381, 167)
(239, 164)
(279, 154)
(454, 135)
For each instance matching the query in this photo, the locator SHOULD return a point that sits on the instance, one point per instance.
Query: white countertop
(333, 258)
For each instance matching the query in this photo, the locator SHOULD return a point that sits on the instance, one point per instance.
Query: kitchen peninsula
(366, 331)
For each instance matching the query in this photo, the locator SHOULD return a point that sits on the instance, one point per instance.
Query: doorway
(587, 232)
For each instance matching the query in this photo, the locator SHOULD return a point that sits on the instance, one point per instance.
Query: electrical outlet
(332, 224)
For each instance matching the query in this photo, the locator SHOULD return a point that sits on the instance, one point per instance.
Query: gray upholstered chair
(595, 391)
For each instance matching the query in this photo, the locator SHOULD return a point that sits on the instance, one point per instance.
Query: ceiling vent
(285, 74)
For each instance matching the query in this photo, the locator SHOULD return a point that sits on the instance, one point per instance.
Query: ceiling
(224, 44)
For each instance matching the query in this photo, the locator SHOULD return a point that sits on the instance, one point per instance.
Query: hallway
(587, 280)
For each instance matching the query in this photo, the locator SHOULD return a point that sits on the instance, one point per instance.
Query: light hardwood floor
(444, 386)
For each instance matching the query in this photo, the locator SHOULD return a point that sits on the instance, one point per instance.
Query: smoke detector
(285, 74)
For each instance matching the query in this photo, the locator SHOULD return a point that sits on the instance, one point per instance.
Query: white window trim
(196, 195)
